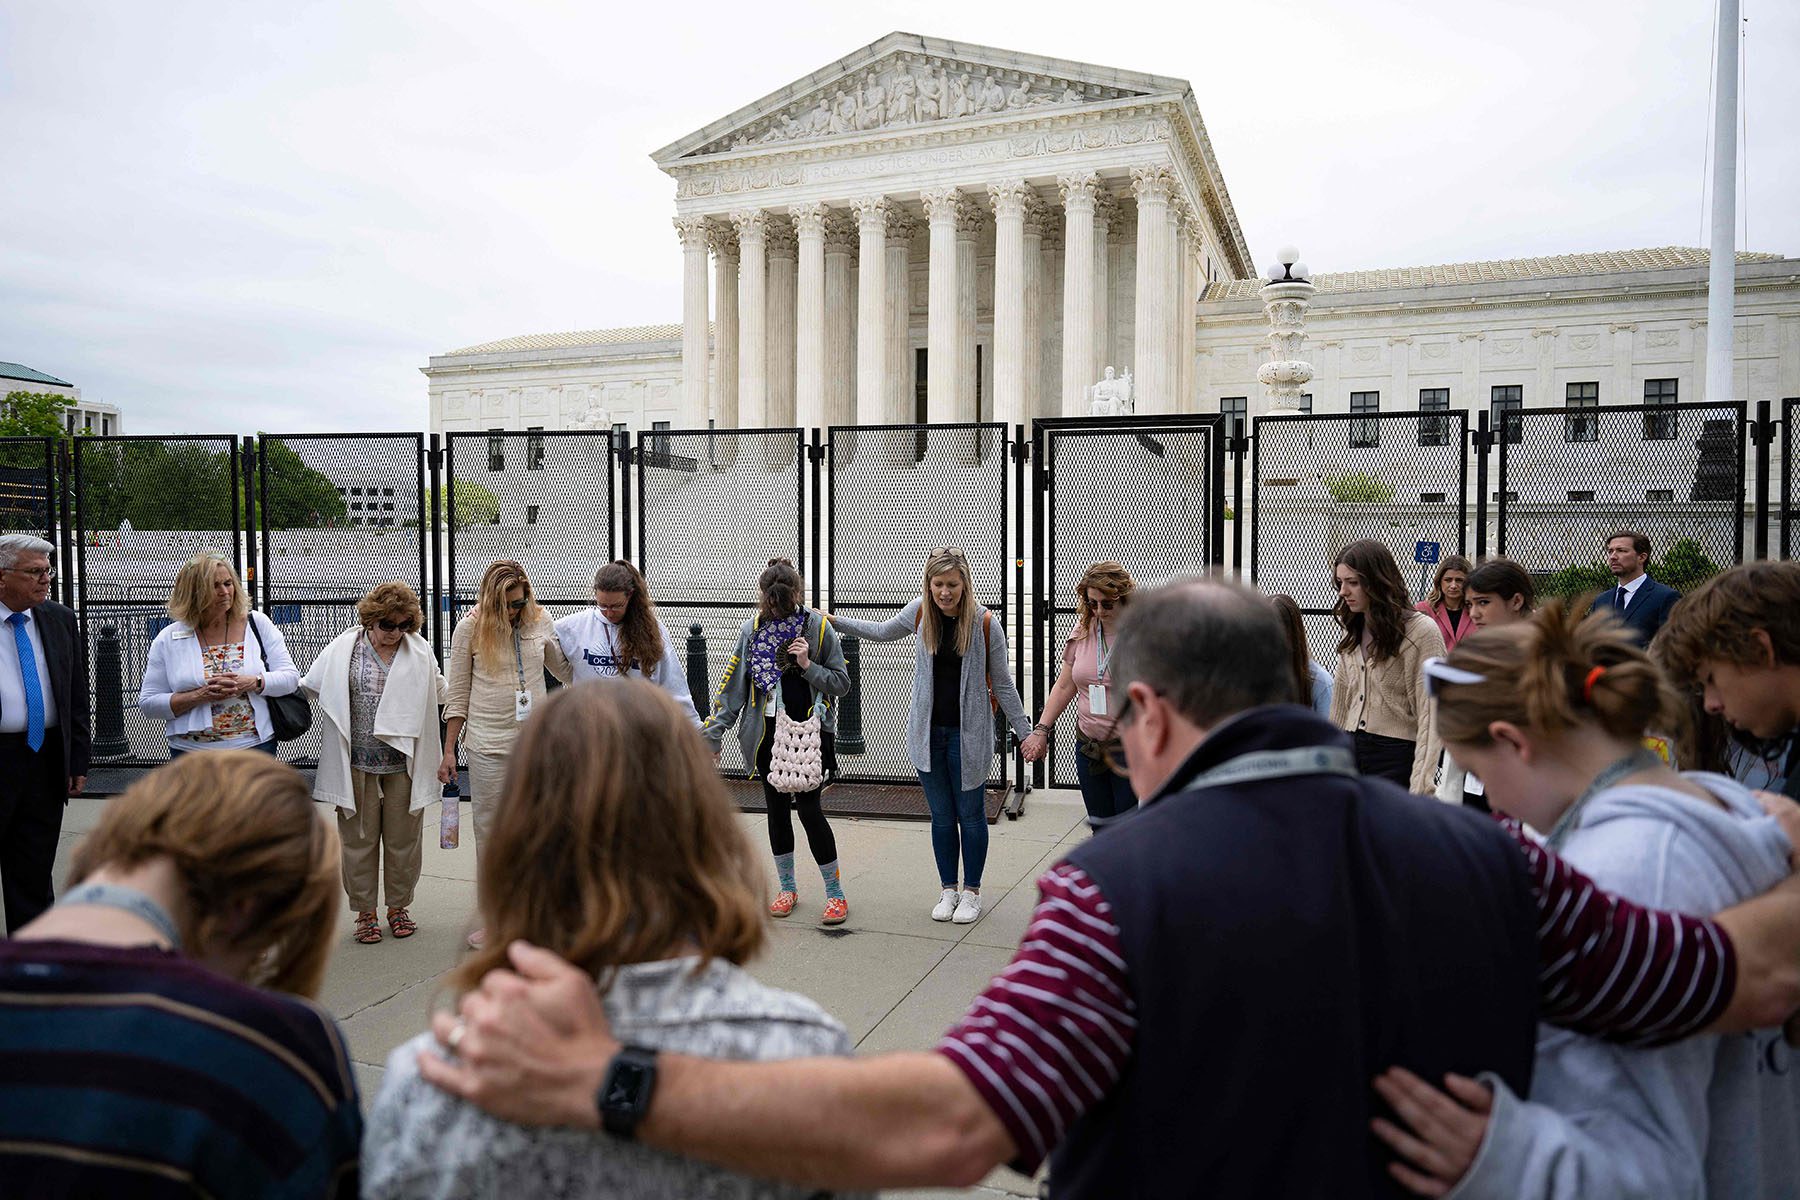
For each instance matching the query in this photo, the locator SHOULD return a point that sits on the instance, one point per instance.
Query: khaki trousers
(381, 827)
(487, 778)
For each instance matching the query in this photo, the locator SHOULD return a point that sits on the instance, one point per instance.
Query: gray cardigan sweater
(977, 671)
(827, 676)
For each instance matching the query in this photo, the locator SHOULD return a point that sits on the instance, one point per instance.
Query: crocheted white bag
(797, 759)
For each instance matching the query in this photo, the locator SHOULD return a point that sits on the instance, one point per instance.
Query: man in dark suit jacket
(1638, 600)
(43, 725)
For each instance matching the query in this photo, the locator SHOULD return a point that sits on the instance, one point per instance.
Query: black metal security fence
(313, 520)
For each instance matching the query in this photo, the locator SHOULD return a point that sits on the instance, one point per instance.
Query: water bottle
(450, 821)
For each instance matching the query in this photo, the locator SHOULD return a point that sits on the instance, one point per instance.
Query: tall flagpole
(1721, 283)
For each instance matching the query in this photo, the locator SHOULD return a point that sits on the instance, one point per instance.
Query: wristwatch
(624, 1096)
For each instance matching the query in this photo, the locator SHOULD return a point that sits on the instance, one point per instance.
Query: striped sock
(784, 873)
(834, 887)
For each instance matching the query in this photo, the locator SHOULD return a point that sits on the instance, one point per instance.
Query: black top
(946, 676)
(1455, 615)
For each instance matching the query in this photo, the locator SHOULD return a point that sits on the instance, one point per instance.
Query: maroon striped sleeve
(1049, 1036)
(1615, 970)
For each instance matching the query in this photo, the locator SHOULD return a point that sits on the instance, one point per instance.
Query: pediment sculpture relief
(910, 92)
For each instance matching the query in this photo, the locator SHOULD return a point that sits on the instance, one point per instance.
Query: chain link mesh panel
(143, 507)
(1145, 497)
(1322, 481)
(895, 493)
(1570, 477)
(1790, 477)
(338, 515)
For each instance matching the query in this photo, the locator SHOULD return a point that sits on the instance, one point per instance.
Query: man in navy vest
(1638, 600)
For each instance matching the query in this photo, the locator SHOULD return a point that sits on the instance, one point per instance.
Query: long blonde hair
(615, 842)
(192, 594)
(941, 562)
(257, 861)
(492, 643)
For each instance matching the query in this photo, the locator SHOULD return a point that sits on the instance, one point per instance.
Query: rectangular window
(1235, 410)
(534, 448)
(1434, 431)
(496, 451)
(1661, 426)
(356, 491)
(1662, 494)
(1306, 402)
(1581, 426)
(621, 440)
(660, 445)
(1581, 497)
(387, 491)
(105, 426)
(1509, 497)
(1509, 398)
(1365, 434)
(531, 512)
(1434, 498)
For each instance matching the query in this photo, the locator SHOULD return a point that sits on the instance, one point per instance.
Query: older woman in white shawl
(378, 688)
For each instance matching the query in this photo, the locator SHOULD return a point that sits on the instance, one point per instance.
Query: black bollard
(696, 669)
(850, 726)
(109, 696)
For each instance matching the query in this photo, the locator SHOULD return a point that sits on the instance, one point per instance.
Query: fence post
(1762, 432)
(244, 516)
(109, 696)
(1240, 445)
(436, 462)
(65, 479)
(622, 450)
(850, 723)
(698, 687)
(816, 456)
(1483, 438)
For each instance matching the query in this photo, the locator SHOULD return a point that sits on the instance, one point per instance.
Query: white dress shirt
(1631, 591)
(12, 682)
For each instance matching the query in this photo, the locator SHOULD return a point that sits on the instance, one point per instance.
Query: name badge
(521, 705)
(1097, 699)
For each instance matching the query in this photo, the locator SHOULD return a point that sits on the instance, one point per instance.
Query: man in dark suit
(1638, 600)
(43, 724)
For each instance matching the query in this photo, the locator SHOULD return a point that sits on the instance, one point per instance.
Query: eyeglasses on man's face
(35, 572)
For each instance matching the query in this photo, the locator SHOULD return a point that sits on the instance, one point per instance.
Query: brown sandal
(368, 928)
(401, 922)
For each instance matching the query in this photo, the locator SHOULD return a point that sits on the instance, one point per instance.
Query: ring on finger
(456, 1036)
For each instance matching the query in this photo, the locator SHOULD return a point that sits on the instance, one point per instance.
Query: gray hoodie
(1707, 1117)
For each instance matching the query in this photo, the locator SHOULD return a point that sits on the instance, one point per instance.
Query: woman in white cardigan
(378, 688)
(212, 666)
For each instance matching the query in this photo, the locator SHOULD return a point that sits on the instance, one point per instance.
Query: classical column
(1181, 336)
(840, 308)
(1152, 385)
(942, 207)
(871, 295)
(1009, 299)
(1106, 215)
(753, 346)
(898, 316)
(968, 311)
(1078, 193)
(783, 252)
(1050, 302)
(1038, 217)
(809, 316)
(694, 316)
(725, 326)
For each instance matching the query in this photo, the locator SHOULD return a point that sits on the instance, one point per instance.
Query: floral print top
(368, 679)
(233, 720)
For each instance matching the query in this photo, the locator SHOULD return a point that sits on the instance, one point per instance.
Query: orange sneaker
(783, 904)
(836, 911)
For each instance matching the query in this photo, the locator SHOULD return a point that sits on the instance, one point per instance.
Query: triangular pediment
(904, 82)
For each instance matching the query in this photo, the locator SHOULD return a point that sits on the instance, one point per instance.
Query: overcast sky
(226, 217)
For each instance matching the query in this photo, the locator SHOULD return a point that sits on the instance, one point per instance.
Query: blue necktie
(28, 675)
(1619, 598)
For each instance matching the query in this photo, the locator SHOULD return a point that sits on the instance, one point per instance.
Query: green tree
(1685, 566)
(34, 414)
(1575, 580)
(475, 505)
(295, 495)
(1357, 487)
(156, 485)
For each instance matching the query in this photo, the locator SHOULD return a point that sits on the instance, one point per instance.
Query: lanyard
(1100, 654)
(518, 660)
(1640, 759)
(1276, 764)
(612, 647)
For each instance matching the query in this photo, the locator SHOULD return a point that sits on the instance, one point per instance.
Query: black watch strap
(624, 1096)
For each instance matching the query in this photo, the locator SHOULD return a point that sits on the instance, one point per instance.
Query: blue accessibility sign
(1427, 552)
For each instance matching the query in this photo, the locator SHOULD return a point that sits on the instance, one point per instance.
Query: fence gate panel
(337, 514)
(28, 491)
(1324, 480)
(1790, 476)
(544, 500)
(1145, 492)
(713, 509)
(895, 493)
(1568, 477)
(143, 507)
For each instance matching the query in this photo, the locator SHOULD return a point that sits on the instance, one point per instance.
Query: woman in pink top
(1100, 599)
(1446, 603)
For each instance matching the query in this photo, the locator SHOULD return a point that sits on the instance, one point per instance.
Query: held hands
(1444, 1130)
(1036, 746)
(801, 651)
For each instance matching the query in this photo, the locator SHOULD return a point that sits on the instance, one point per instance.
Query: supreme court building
(931, 230)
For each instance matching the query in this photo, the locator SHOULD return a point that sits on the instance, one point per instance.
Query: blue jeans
(953, 811)
(176, 752)
(1104, 792)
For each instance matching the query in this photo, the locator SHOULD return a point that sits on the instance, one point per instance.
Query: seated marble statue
(1111, 397)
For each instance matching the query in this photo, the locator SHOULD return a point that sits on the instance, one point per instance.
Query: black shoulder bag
(290, 715)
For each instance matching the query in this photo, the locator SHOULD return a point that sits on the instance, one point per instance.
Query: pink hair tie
(1587, 689)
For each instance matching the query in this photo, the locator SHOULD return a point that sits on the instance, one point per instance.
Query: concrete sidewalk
(893, 976)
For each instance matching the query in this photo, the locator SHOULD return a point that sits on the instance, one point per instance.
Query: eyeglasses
(516, 605)
(393, 626)
(1105, 605)
(1437, 672)
(34, 572)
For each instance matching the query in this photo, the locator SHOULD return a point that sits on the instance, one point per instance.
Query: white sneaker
(969, 910)
(946, 905)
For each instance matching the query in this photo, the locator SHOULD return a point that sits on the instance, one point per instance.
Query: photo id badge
(521, 705)
(1097, 699)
